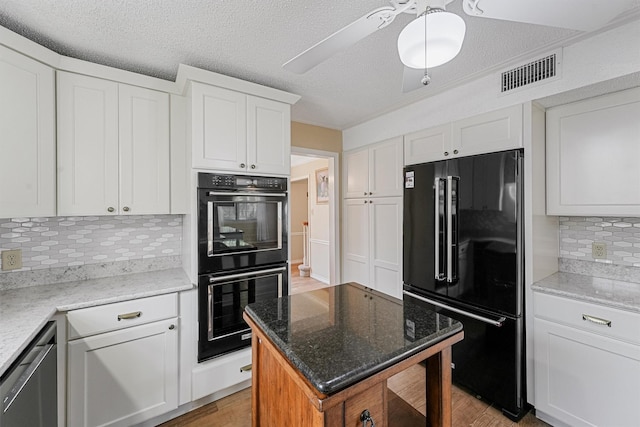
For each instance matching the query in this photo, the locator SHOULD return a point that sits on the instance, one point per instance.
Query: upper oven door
(241, 229)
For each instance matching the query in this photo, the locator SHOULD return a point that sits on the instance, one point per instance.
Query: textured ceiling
(251, 39)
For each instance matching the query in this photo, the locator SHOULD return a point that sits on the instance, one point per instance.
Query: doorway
(317, 170)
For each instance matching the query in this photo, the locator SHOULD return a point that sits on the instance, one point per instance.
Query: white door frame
(334, 207)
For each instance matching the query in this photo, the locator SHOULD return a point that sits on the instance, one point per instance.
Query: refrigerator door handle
(453, 182)
(436, 188)
(497, 323)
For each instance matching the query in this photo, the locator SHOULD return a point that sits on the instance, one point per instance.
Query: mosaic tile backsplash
(68, 241)
(621, 235)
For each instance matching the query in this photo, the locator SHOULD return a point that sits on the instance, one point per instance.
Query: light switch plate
(12, 260)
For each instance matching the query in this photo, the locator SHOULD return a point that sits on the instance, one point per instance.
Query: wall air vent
(532, 72)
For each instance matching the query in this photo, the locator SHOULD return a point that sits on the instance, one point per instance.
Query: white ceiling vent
(539, 71)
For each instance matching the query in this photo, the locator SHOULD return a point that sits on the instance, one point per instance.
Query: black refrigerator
(463, 257)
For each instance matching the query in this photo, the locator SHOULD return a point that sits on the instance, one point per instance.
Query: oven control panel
(241, 182)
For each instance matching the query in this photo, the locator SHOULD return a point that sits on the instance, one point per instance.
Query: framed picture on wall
(322, 185)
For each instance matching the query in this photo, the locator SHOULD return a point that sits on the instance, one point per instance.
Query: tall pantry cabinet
(372, 217)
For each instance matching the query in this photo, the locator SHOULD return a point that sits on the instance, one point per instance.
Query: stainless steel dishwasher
(29, 387)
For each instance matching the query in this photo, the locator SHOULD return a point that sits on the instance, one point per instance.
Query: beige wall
(316, 137)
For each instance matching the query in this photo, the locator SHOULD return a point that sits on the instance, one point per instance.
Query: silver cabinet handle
(126, 209)
(596, 320)
(246, 368)
(110, 209)
(127, 316)
(243, 166)
(172, 327)
(455, 151)
(253, 166)
(446, 153)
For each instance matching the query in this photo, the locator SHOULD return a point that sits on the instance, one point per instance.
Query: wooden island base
(281, 396)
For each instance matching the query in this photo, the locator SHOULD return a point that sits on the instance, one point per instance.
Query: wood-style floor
(406, 388)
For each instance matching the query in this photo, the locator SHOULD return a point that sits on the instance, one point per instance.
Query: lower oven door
(222, 299)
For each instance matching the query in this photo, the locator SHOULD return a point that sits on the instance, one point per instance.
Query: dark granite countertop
(340, 335)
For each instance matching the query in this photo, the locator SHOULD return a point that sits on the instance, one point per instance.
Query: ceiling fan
(444, 31)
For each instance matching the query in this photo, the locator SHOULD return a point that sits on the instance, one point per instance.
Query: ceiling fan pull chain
(425, 79)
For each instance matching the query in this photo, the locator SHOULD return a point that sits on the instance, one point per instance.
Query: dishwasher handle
(48, 343)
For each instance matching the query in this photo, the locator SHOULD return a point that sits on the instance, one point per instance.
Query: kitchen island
(322, 358)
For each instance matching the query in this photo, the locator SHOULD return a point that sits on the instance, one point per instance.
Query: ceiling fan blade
(412, 79)
(584, 15)
(342, 39)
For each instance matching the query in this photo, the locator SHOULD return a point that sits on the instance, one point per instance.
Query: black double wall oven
(242, 255)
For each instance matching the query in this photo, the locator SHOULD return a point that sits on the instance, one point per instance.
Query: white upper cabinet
(593, 152)
(427, 145)
(27, 137)
(494, 131)
(486, 133)
(113, 148)
(375, 171)
(238, 132)
(268, 136)
(144, 150)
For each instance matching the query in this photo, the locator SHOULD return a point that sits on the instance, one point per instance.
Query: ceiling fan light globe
(445, 34)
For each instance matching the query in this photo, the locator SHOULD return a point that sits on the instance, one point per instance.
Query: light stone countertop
(609, 292)
(24, 311)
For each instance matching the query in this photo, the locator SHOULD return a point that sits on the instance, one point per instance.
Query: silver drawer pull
(596, 320)
(246, 368)
(131, 315)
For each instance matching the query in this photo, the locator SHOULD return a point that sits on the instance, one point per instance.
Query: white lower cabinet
(373, 243)
(586, 374)
(125, 376)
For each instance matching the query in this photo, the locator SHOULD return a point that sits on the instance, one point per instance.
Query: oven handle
(252, 273)
(235, 193)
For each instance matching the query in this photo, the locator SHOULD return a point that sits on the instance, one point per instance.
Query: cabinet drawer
(220, 373)
(110, 317)
(624, 325)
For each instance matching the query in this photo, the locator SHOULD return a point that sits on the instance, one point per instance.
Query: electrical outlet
(12, 260)
(599, 250)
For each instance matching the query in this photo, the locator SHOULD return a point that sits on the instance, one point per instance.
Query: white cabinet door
(385, 245)
(593, 152)
(427, 145)
(27, 137)
(144, 151)
(375, 171)
(268, 136)
(385, 168)
(494, 131)
(356, 173)
(87, 145)
(584, 379)
(356, 241)
(123, 377)
(219, 128)
(373, 243)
